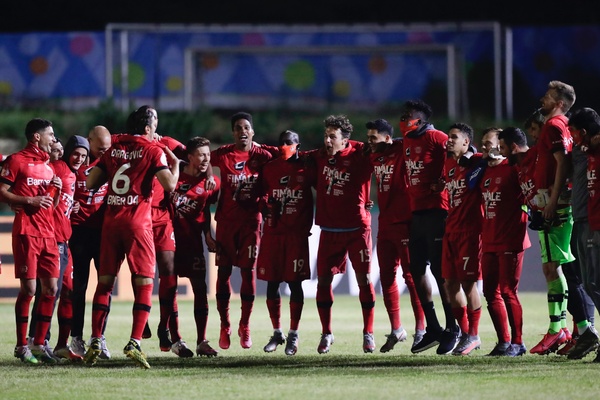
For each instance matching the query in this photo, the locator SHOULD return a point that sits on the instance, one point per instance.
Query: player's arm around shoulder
(168, 177)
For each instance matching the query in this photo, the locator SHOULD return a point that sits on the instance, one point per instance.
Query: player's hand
(41, 202)
(210, 183)
(76, 207)
(211, 244)
(171, 157)
(156, 137)
(369, 205)
(437, 187)
(549, 212)
(56, 181)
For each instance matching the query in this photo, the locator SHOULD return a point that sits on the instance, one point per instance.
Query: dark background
(93, 15)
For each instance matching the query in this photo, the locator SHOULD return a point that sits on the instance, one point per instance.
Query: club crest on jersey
(498, 180)
(487, 182)
(199, 190)
(239, 165)
(451, 172)
(418, 149)
(284, 180)
(184, 187)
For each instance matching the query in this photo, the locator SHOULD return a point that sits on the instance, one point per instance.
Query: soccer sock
(295, 314)
(22, 317)
(565, 302)
(141, 309)
(556, 296)
(474, 316)
(415, 301)
(100, 308)
(167, 289)
(433, 324)
(201, 317)
(499, 318)
(324, 305)
(391, 299)
(223, 294)
(460, 314)
(274, 307)
(247, 291)
(44, 317)
(64, 315)
(366, 295)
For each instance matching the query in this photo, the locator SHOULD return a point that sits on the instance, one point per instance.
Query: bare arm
(168, 177)
(560, 179)
(211, 244)
(95, 179)
(13, 199)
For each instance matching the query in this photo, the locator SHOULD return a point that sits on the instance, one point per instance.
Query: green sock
(563, 307)
(582, 326)
(556, 297)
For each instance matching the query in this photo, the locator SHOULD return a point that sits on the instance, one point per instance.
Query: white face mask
(495, 154)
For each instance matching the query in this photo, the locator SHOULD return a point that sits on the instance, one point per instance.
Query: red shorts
(392, 247)
(461, 256)
(137, 244)
(189, 256)
(35, 257)
(283, 258)
(336, 247)
(237, 245)
(164, 237)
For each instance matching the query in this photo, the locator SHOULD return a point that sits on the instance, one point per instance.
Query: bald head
(99, 138)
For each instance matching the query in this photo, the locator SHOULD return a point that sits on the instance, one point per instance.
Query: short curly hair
(340, 122)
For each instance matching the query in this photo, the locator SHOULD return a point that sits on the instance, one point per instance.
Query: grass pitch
(345, 373)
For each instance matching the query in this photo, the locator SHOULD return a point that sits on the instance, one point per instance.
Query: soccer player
(84, 245)
(343, 188)
(503, 241)
(552, 202)
(191, 208)
(27, 183)
(129, 166)
(584, 126)
(461, 266)
(425, 155)
(238, 223)
(394, 225)
(74, 155)
(286, 183)
(164, 245)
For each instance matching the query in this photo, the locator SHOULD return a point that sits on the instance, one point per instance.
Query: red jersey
(465, 211)
(28, 174)
(593, 171)
(504, 221)
(91, 209)
(240, 194)
(130, 164)
(554, 136)
(425, 155)
(158, 193)
(343, 187)
(526, 171)
(392, 185)
(62, 212)
(287, 185)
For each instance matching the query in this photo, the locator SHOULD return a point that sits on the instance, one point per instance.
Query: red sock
(247, 291)
(167, 289)
(460, 314)
(201, 316)
(22, 317)
(141, 309)
(391, 299)
(100, 308)
(295, 314)
(324, 304)
(64, 315)
(44, 317)
(474, 317)
(366, 295)
(415, 301)
(274, 307)
(223, 294)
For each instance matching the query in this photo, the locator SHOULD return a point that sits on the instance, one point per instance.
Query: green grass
(345, 373)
